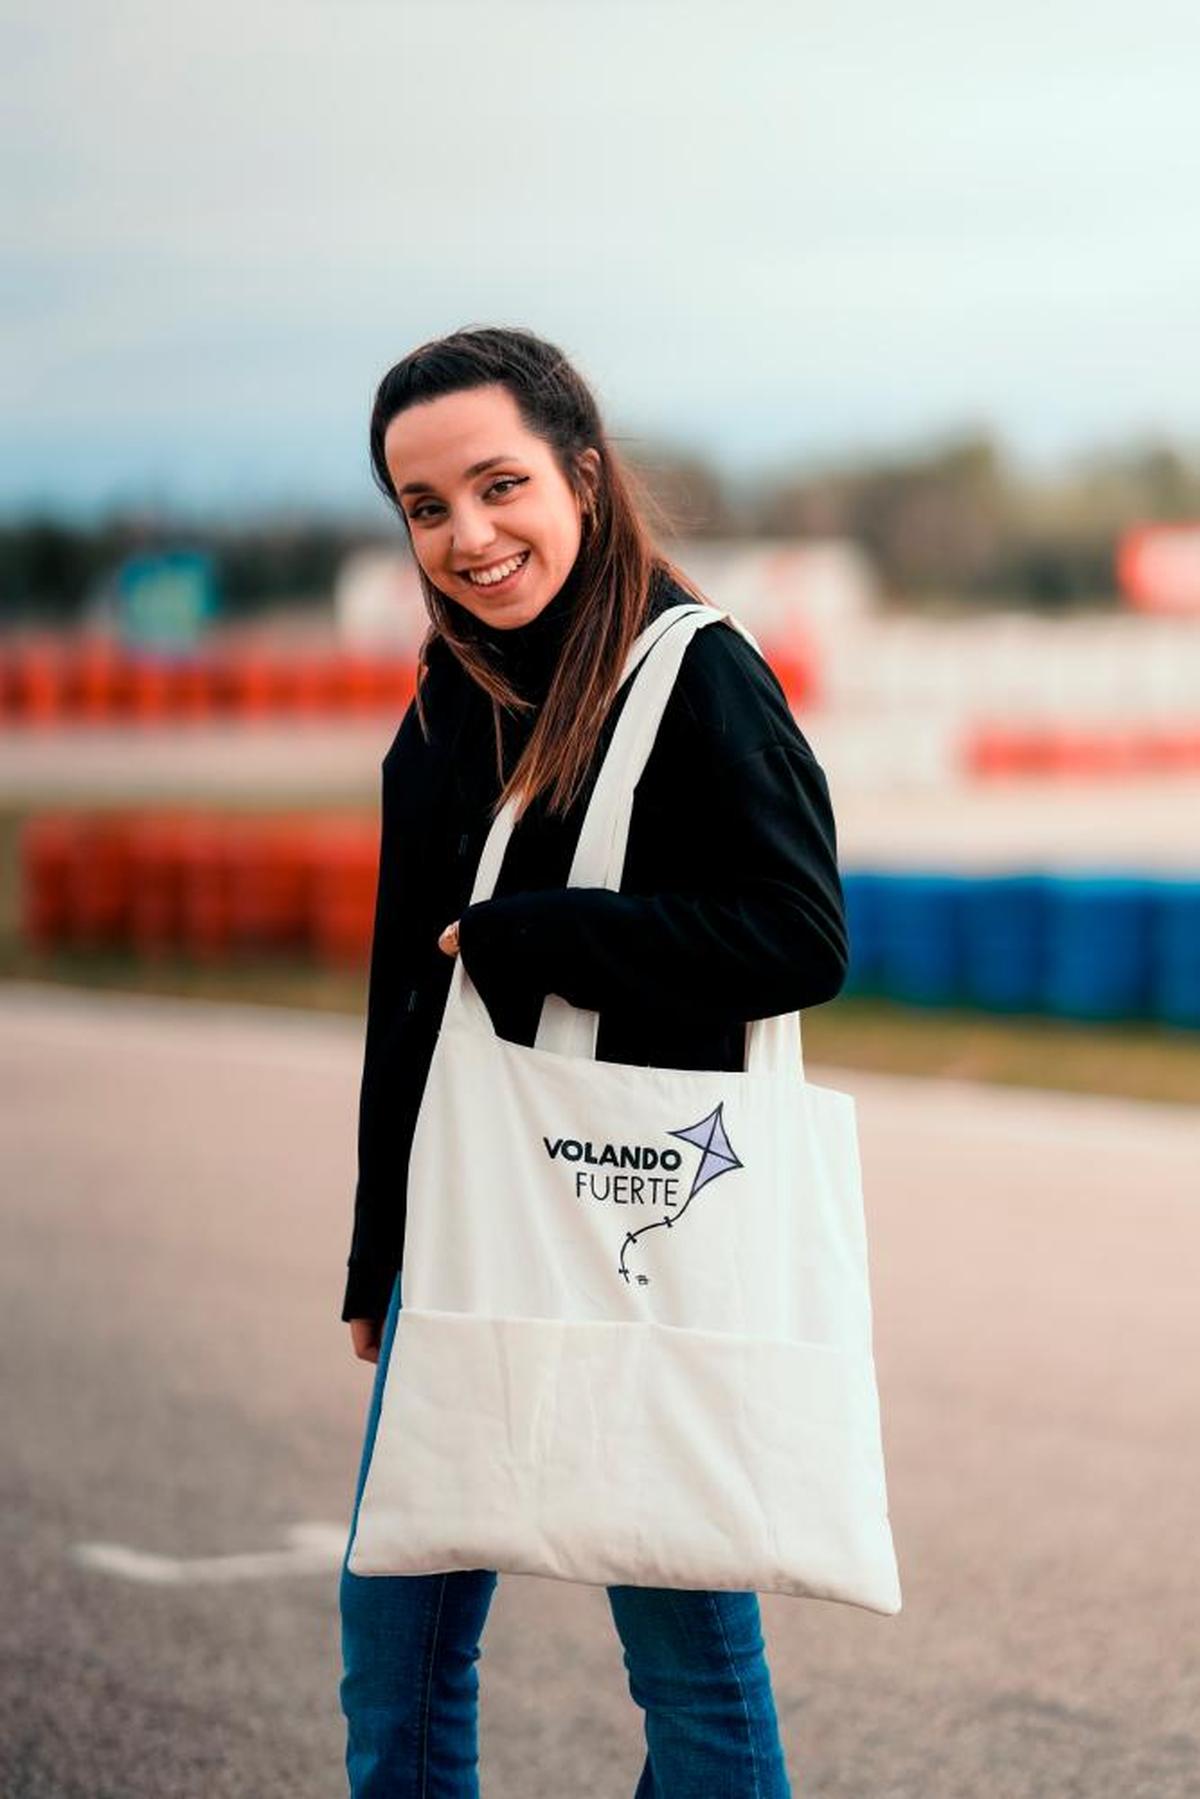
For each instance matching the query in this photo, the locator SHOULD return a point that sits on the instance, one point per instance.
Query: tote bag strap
(492, 856)
(773, 1045)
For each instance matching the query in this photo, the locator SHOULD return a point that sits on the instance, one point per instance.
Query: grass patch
(1129, 1060)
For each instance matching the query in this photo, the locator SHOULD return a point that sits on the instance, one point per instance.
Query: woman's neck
(529, 653)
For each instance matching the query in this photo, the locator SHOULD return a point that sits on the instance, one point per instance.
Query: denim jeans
(410, 1689)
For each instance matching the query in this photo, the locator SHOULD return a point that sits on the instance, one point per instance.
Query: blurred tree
(45, 563)
(932, 523)
(954, 523)
(687, 493)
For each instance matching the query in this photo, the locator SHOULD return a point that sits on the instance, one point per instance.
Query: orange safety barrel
(99, 880)
(40, 683)
(224, 681)
(156, 903)
(287, 687)
(345, 873)
(1174, 750)
(195, 687)
(151, 689)
(795, 663)
(313, 685)
(101, 680)
(982, 752)
(252, 681)
(358, 685)
(1076, 752)
(46, 852)
(270, 864)
(205, 911)
(397, 683)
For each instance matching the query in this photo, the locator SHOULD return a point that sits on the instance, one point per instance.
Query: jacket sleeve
(378, 1216)
(763, 933)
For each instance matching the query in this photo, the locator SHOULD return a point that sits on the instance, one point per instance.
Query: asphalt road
(176, 1383)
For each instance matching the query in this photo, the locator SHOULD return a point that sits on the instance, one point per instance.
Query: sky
(776, 234)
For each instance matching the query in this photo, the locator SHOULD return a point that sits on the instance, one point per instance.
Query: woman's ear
(588, 465)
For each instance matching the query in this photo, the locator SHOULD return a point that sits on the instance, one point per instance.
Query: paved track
(177, 1186)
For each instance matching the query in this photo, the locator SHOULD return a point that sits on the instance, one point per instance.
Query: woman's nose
(473, 532)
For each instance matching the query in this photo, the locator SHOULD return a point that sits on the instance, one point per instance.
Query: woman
(538, 573)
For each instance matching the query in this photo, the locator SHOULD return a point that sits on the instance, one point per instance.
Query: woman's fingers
(448, 940)
(366, 1335)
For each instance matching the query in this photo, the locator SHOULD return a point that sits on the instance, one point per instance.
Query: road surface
(178, 1391)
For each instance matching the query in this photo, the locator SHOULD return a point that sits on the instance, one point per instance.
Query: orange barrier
(797, 676)
(206, 884)
(205, 908)
(154, 879)
(1000, 752)
(251, 684)
(151, 690)
(345, 868)
(312, 686)
(269, 883)
(195, 689)
(46, 681)
(103, 682)
(99, 881)
(37, 685)
(47, 846)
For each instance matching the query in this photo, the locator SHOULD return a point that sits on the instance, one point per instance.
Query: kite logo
(717, 1157)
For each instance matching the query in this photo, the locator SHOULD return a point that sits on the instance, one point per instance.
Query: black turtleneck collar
(529, 653)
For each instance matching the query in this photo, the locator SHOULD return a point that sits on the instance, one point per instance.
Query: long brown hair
(617, 559)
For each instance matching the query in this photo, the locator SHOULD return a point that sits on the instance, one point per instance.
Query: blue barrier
(1004, 941)
(1098, 953)
(1175, 974)
(1092, 945)
(921, 937)
(864, 891)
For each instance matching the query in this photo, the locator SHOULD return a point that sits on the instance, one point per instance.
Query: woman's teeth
(488, 577)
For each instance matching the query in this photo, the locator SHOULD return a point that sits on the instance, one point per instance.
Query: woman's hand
(366, 1334)
(448, 941)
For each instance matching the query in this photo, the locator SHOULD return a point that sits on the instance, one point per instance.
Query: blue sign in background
(165, 600)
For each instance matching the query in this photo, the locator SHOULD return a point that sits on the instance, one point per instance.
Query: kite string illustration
(717, 1157)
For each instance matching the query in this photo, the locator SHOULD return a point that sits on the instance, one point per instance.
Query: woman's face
(466, 519)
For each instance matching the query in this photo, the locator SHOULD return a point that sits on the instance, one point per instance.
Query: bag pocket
(628, 1453)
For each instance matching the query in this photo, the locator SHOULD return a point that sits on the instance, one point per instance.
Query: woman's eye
(503, 481)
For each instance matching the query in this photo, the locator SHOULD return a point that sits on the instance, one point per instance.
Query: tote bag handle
(773, 1045)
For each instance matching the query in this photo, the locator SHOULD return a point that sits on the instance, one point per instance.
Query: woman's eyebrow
(476, 468)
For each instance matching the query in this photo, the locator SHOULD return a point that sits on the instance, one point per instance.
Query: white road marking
(315, 1549)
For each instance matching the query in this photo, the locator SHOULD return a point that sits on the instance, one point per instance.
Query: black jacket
(730, 905)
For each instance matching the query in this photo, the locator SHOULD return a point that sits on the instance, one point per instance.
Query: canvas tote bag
(635, 1339)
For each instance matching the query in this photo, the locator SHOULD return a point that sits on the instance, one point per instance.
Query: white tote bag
(635, 1339)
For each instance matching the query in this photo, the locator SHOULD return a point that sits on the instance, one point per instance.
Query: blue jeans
(410, 1688)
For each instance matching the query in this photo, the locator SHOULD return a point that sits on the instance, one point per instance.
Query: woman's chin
(511, 614)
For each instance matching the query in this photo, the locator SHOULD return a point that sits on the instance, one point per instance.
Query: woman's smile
(498, 577)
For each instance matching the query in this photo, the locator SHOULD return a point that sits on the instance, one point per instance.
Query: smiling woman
(499, 532)
(490, 447)
(539, 578)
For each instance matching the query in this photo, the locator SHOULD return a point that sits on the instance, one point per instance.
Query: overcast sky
(771, 232)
